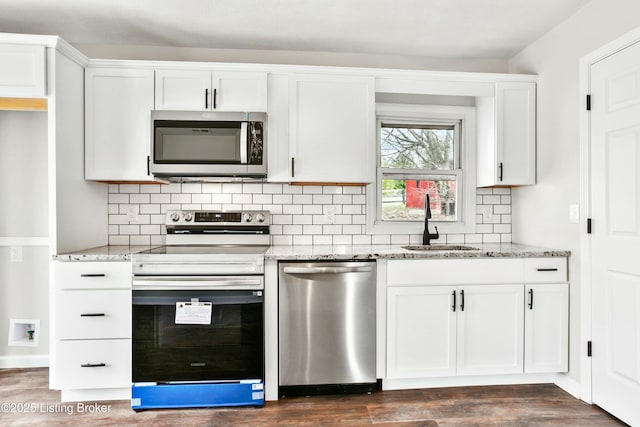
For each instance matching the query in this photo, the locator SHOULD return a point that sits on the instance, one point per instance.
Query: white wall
(541, 212)
(24, 292)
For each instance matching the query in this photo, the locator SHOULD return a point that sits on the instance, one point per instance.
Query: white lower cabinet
(421, 331)
(436, 331)
(490, 333)
(546, 328)
(92, 329)
(93, 364)
(454, 326)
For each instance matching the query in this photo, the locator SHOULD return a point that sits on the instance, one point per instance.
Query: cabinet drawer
(93, 314)
(92, 275)
(93, 364)
(545, 270)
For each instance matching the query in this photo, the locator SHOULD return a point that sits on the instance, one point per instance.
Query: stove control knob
(175, 216)
(260, 217)
(248, 217)
(188, 216)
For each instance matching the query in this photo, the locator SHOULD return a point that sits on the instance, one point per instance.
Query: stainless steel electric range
(198, 312)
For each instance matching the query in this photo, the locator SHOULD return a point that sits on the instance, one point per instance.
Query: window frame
(464, 166)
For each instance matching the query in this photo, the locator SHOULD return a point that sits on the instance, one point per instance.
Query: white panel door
(490, 333)
(615, 195)
(546, 328)
(188, 90)
(421, 331)
(331, 128)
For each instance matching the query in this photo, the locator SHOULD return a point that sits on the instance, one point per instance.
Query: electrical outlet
(132, 213)
(16, 253)
(574, 213)
(330, 214)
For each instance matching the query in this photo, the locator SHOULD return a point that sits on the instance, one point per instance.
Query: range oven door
(230, 348)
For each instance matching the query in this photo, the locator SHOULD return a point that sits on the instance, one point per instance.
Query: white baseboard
(568, 384)
(480, 380)
(38, 361)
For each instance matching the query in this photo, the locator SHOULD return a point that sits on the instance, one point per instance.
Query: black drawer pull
(92, 314)
(93, 275)
(547, 269)
(93, 365)
(454, 301)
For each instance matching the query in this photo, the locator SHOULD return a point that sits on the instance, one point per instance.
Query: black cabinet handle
(547, 269)
(92, 314)
(93, 275)
(454, 301)
(206, 99)
(462, 300)
(293, 167)
(93, 365)
(215, 95)
(500, 171)
(530, 299)
(148, 165)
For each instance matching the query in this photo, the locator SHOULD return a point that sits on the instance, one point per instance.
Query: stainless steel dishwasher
(327, 327)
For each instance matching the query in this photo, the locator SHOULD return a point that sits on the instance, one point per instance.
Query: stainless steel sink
(440, 248)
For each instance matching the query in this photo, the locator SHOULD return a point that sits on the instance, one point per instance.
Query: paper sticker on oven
(193, 313)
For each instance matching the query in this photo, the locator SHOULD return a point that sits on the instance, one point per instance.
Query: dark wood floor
(523, 405)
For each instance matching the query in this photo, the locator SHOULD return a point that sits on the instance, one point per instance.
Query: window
(416, 160)
(424, 150)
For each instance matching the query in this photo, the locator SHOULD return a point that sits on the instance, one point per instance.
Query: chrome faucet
(426, 236)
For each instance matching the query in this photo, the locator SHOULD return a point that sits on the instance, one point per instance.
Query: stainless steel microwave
(208, 144)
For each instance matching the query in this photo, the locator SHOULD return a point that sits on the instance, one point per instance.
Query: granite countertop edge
(340, 252)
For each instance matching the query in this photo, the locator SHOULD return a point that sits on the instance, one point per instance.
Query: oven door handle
(200, 282)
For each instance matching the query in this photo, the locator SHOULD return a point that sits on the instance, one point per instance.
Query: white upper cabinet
(507, 135)
(118, 104)
(197, 90)
(331, 128)
(23, 72)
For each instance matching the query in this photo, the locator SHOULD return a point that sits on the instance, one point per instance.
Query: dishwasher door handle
(327, 270)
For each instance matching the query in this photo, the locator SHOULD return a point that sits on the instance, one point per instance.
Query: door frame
(586, 314)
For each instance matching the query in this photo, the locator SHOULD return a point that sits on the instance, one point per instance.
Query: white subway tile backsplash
(139, 198)
(192, 188)
(300, 214)
(150, 188)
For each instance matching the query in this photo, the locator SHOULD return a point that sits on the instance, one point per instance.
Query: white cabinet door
(421, 332)
(183, 90)
(118, 104)
(23, 71)
(331, 128)
(490, 329)
(516, 133)
(239, 91)
(202, 90)
(546, 328)
(507, 135)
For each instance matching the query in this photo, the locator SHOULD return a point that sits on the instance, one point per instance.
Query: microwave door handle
(244, 136)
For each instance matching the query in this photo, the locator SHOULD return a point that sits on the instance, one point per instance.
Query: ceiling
(429, 28)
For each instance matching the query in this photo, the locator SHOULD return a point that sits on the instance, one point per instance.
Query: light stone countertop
(341, 252)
